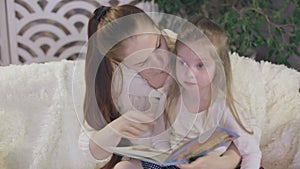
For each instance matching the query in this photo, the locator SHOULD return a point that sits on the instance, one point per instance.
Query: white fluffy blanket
(38, 124)
(271, 93)
(39, 105)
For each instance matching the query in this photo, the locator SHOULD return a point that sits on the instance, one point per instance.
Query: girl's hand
(229, 160)
(132, 124)
(210, 161)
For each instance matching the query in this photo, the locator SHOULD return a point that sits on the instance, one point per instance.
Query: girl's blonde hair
(218, 38)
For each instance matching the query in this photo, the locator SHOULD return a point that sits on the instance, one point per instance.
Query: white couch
(41, 111)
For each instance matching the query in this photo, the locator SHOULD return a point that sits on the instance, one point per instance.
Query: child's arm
(248, 147)
(231, 156)
(247, 144)
(84, 146)
(130, 125)
(229, 160)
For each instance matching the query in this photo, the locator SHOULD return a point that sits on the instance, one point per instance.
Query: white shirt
(136, 94)
(190, 125)
(130, 92)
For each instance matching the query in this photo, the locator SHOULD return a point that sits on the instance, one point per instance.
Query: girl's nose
(189, 72)
(158, 60)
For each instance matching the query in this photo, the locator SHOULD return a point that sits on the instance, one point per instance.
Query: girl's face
(148, 55)
(194, 69)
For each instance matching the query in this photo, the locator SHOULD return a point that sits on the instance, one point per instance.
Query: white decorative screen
(47, 30)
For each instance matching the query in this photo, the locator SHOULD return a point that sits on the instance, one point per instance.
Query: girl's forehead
(142, 43)
(197, 44)
(146, 28)
(196, 49)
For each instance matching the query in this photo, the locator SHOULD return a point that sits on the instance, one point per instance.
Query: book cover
(189, 151)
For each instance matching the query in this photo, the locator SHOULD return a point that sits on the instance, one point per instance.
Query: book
(185, 153)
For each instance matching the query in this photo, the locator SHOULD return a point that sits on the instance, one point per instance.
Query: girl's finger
(139, 117)
(136, 130)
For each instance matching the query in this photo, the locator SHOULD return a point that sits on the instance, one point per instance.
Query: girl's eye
(141, 63)
(181, 62)
(200, 65)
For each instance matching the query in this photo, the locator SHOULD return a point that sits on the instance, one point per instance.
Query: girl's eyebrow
(201, 59)
(141, 59)
(179, 56)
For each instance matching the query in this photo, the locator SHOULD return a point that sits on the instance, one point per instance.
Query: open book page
(187, 152)
(201, 145)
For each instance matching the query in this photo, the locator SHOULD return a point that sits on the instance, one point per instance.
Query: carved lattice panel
(46, 30)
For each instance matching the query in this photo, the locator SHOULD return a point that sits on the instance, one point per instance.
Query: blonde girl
(202, 96)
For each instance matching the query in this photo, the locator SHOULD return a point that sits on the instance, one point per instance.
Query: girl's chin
(190, 84)
(156, 84)
(158, 81)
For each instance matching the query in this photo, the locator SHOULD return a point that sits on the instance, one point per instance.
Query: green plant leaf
(249, 23)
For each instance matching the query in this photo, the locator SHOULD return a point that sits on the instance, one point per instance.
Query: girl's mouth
(190, 83)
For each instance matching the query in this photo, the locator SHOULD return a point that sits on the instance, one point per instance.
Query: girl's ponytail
(98, 73)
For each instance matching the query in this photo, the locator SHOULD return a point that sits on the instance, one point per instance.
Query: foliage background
(265, 30)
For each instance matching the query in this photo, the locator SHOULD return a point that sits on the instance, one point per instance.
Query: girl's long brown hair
(99, 108)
